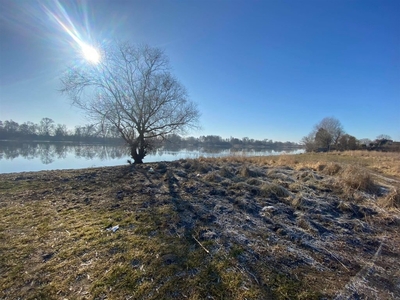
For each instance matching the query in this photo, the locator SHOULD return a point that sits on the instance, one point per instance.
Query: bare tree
(309, 142)
(323, 139)
(11, 126)
(383, 137)
(365, 142)
(46, 127)
(325, 134)
(133, 90)
(333, 127)
(348, 142)
(61, 130)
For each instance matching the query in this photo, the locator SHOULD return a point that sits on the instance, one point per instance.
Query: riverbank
(309, 226)
(33, 157)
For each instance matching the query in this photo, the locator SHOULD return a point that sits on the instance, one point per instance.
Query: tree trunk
(138, 150)
(136, 156)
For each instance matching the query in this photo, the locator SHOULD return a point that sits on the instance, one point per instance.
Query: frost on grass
(198, 229)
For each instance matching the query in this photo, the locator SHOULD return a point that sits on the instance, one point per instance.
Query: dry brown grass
(353, 170)
(392, 199)
(387, 163)
(224, 172)
(260, 218)
(331, 168)
(357, 178)
(268, 189)
(384, 162)
(57, 244)
(212, 177)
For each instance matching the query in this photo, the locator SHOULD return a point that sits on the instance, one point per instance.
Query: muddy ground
(197, 229)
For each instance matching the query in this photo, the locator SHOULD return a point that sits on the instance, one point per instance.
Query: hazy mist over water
(26, 157)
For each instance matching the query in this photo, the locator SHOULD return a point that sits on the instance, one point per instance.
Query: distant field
(386, 163)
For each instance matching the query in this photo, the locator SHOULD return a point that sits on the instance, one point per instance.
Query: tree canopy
(133, 90)
(326, 133)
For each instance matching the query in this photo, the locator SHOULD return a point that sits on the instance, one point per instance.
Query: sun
(90, 53)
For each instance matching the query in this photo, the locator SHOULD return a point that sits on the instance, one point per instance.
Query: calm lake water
(24, 157)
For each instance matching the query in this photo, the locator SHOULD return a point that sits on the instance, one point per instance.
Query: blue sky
(261, 69)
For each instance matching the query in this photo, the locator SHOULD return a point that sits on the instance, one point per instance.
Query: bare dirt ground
(200, 229)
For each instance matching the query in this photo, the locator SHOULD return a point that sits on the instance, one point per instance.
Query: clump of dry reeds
(287, 160)
(297, 201)
(392, 199)
(268, 189)
(357, 178)
(246, 172)
(331, 168)
(197, 165)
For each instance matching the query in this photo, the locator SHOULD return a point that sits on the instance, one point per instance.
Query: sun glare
(90, 54)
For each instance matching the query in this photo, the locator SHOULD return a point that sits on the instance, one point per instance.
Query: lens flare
(88, 52)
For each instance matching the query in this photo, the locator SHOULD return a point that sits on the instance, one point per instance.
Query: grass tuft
(269, 189)
(212, 177)
(357, 178)
(392, 199)
(245, 172)
(226, 173)
(331, 169)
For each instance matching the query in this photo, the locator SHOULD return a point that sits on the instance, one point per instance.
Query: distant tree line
(215, 141)
(329, 135)
(48, 130)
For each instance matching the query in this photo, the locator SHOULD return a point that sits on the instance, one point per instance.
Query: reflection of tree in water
(77, 151)
(28, 151)
(61, 150)
(167, 152)
(159, 153)
(215, 150)
(49, 152)
(10, 153)
(103, 152)
(114, 152)
(87, 151)
(46, 153)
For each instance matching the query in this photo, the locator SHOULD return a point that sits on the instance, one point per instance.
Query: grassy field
(308, 226)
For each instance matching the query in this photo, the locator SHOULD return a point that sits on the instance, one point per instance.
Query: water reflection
(18, 157)
(49, 152)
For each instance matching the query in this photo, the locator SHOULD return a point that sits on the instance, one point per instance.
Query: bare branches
(333, 127)
(133, 90)
(325, 136)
